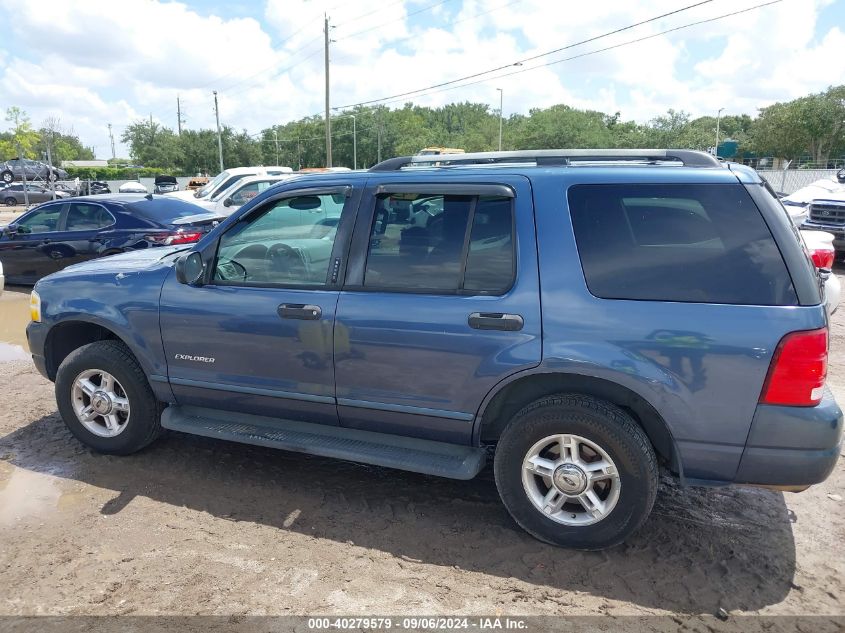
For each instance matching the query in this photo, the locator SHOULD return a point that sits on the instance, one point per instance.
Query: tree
(153, 145)
(23, 139)
(813, 125)
(62, 142)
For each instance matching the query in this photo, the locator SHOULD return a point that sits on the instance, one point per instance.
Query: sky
(95, 62)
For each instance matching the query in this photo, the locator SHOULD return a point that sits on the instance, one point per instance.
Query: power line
(600, 50)
(365, 15)
(527, 59)
(378, 26)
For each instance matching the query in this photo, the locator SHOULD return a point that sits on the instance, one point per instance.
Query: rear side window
(441, 244)
(693, 243)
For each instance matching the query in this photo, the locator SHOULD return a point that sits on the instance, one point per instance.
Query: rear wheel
(105, 400)
(7, 176)
(10, 201)
(576, 471)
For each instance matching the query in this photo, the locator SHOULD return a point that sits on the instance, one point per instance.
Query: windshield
(212, 185)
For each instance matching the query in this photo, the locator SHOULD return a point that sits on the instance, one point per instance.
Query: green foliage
(115, 173)
(814, 124)
(23, 137)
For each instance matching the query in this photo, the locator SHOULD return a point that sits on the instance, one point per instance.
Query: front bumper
(36, 337)
(792, 446)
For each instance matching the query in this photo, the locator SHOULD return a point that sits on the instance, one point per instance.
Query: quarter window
(695, 243)
(287, 242)
(420, 243)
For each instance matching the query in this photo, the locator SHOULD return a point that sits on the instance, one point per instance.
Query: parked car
(57, 234)
(242, 191)
(2, 279)
(96, 187)
(823, 255)
(579, 322)
(226, 179)
(13, 195)
(823, 205)
(133, 186)
(15, 169)
(165, 184)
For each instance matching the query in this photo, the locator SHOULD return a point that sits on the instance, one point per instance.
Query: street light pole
(219, 138)
(501, 113)
(718, 120)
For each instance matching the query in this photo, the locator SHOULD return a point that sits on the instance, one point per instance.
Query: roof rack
(554, 157)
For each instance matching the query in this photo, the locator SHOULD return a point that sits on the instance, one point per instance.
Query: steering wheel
(284, 259)
(230, 269)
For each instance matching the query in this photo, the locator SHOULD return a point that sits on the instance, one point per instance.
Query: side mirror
(228, 202)
(11, 229)
(189, 269)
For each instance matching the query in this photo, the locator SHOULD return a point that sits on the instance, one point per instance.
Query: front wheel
(105, 400)
(7, 176)
(10, 201)
(576, 471)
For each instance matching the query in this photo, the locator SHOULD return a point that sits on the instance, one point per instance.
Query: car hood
(821, 189)
(131, 261)
(187, 195)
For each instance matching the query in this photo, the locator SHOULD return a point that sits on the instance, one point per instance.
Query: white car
(820, 248)
(828, 189)
(226, 179)
(132, 187)
(226, 201)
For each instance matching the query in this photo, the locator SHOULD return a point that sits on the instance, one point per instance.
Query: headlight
(35, 307)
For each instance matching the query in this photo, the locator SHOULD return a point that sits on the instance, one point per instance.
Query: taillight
(823, 257)
(798, 370)
(175, 237)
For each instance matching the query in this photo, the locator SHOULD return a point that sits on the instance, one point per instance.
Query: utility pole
(378, 134)
(111, 138)
(50, 182)
(219, 138)
(501, 115)
(276, 136)
(178, 115)
(718, 120)
(354, 142)
(23, 176)
(328, 98)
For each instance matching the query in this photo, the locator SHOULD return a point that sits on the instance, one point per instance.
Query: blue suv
(580, 317)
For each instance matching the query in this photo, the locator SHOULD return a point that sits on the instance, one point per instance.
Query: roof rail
(553, 157)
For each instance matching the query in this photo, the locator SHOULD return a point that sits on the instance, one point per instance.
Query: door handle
(495, 321)
(303, 311)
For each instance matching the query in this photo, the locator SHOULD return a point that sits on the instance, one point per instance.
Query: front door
(440, 305)
(87, 226)
(258, 337)
(29, 252)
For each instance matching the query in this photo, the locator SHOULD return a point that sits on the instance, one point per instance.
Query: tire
(595, 426)
(137, 427)
(10, 201)
(7, 176)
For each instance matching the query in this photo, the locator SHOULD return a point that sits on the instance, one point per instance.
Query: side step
(380, 449)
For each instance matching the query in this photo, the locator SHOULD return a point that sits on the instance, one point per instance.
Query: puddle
(24, 493)
(14, 315)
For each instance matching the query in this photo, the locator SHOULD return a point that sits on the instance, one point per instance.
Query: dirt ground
(197, 526)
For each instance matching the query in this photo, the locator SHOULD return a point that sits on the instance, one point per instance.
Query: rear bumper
(792, 446)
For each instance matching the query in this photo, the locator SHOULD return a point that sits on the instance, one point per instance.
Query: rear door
(86, 229)
(440, 304)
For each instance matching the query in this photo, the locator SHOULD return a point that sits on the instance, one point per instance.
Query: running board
(380, 449)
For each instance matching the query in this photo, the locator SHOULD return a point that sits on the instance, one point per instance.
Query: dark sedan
(58, 234)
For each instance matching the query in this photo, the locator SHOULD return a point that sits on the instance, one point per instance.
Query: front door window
(287, 242)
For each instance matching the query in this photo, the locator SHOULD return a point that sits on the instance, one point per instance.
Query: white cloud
(91, 64)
